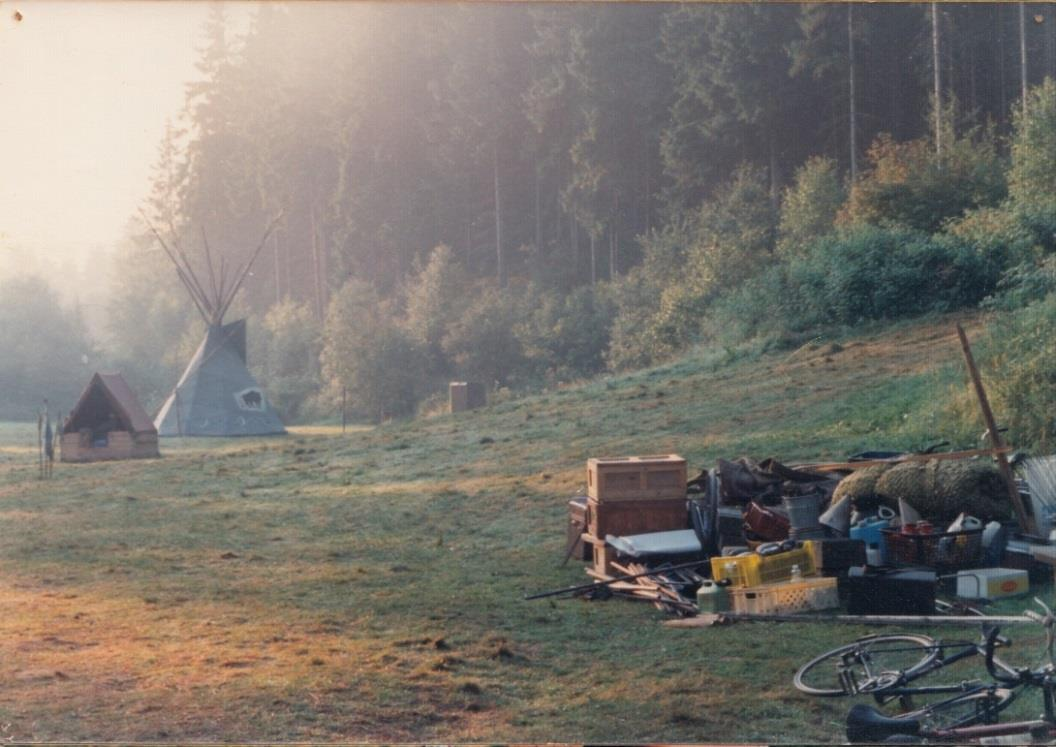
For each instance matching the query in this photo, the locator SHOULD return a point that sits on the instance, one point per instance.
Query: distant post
(344, 397)
(466, 395)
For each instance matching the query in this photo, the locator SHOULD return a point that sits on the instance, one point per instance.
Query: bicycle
(885, 666)
(974, 715)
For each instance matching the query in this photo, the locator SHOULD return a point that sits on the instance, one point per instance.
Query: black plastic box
(837, 555)
(890, 592)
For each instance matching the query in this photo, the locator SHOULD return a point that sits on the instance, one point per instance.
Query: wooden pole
(707, 620)
(1026, 523)
(344, 397)
(40, 444)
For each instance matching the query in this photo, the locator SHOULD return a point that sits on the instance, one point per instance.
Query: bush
(633, 342)
(809, 206)
(875, 273)
(47, 352)
(482, 343)
(1017, 360)
(366, 351)
(908, 184)
(434, 298)
(566, 337)
(663, 308)
(1032, 184)
(286, 357)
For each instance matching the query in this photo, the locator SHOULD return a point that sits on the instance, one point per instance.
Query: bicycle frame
(1037, 728)
(900, 687)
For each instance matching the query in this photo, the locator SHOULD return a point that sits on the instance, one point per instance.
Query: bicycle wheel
(979, 707)
(869, 664)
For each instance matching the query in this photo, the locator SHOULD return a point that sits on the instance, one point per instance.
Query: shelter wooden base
(121, 445)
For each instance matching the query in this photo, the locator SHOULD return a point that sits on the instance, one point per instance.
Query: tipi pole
(176, 404)
(225, 303)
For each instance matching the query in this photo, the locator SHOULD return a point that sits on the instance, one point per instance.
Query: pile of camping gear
(881, 533)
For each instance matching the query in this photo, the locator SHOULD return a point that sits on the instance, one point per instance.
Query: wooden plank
(851, 466)
(1026, 522)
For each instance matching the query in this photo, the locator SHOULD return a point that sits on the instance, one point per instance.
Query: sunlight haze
(87, 88)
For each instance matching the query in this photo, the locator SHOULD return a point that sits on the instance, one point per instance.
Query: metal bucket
(802, 511)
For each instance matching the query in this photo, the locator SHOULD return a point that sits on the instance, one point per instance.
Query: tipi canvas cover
(217, 395)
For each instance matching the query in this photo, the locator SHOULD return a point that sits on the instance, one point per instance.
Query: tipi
(217, 395)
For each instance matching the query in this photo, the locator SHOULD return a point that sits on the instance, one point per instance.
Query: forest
(531, 194)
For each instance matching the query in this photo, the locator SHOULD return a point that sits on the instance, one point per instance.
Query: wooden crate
(636, 478)
(636, 517)
(577, 525)
(602, 555)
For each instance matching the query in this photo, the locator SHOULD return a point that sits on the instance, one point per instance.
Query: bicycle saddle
(866, 724)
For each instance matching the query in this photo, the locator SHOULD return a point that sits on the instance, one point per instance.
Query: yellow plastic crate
(807, 595)
(755, 570)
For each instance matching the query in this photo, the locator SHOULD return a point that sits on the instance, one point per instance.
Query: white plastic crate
(793, 596)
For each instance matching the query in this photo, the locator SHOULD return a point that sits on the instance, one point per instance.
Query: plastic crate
(756, 570)
(944, 550)
(780, 599)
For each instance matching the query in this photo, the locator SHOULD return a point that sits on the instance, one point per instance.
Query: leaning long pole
(718, 618)
(1026, 522)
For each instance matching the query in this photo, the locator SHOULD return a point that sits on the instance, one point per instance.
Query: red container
(765, 523)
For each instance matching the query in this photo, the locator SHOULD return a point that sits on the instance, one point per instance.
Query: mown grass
(368, 586)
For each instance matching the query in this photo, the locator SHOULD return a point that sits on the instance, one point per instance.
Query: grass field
(369, 586)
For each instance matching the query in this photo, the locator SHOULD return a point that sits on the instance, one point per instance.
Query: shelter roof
(121, 398)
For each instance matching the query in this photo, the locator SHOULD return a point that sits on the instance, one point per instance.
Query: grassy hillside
(368, 586)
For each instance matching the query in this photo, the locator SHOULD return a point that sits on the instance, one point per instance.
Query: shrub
(908, 184)
(809, 206)
(366, 351)
(482, 343)
(1032, 184)
(566, 336)
(286, 357)
(1017, 360)
(434, 298)
(875, 273)
(734, 233)
(43, 346)
(633, 342)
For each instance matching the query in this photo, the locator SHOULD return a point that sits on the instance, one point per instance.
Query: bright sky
(85, 90)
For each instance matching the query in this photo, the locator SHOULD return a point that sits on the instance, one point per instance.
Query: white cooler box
(992, 583)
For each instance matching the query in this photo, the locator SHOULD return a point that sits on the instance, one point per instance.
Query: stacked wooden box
(632, 495)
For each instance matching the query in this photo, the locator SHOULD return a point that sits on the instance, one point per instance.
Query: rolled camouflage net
(939, 490)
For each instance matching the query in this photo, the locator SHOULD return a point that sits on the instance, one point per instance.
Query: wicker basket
(946, 550)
